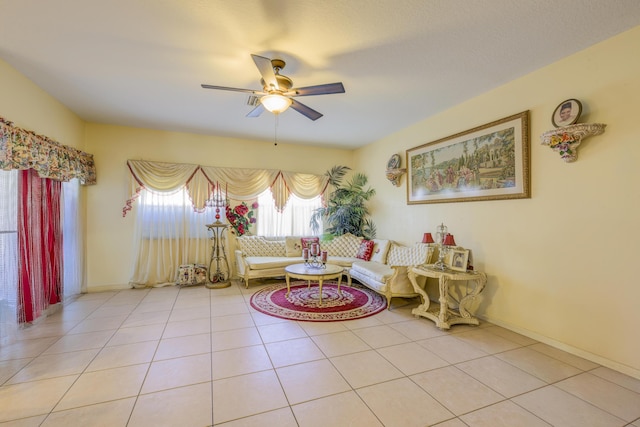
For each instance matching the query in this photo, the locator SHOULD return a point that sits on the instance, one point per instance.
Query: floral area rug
(303, 302)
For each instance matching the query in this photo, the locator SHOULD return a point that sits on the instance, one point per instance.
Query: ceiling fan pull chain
(275, 131)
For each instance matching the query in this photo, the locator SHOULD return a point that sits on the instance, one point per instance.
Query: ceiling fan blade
(304, 110)
(256, 111)
(325, 89)
(266, 71)
(234, 89)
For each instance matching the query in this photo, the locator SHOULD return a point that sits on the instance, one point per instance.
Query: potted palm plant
(346, 210)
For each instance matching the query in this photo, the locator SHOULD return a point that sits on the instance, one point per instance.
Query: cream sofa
(262, 257)
(386, 271)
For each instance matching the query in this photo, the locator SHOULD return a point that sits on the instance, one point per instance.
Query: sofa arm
(240, 262)
(399, 283)
(390, 281)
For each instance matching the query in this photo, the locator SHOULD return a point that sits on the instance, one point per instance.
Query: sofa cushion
(417, 254)
(308, 241)
(380, 250)
(365, 250)
(293, 245)
(267, 262)
(374, 270)
(259, 246)
(342, 261)
(346, 245)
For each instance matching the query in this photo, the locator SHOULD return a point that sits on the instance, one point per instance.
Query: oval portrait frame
(575, 110)
(394, 162)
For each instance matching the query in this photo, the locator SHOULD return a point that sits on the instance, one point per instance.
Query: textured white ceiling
(141, 62)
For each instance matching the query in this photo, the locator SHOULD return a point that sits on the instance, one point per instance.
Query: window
(168, 233)
(293, 221)
(8, 255)
(172, 215)
(72, 225)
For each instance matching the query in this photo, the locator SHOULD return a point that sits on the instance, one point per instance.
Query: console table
(444, 315)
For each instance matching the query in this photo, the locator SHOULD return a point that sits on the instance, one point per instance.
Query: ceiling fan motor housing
(284, 82)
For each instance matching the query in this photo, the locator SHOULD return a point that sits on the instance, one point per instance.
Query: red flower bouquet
(241, 217)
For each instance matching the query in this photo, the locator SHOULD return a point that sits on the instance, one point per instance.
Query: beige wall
(560, 264)
(109, 234)
(30, 108)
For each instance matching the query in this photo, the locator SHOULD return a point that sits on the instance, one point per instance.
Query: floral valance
(22, 149)
(237, 183)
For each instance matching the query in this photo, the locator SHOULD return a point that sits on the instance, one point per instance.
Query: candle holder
(314, 258)
(315, 262)
(445, 241)
(218, 200)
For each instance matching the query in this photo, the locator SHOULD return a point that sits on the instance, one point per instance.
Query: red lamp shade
(448, 240)
(427, 238)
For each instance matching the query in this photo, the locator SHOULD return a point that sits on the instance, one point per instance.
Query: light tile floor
(198, 357)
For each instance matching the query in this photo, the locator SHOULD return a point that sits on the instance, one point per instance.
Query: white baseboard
(106, 288)
(627, 370)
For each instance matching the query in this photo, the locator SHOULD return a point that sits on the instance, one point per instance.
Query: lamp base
(440, 266)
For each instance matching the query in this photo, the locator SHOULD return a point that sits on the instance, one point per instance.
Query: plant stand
(218, 276)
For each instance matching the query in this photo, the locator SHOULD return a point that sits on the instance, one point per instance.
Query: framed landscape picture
(489, 162)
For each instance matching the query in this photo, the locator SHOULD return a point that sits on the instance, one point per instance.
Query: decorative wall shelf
(394, 175)
(566, 139)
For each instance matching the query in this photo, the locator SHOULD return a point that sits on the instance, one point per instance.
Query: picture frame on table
(566, 113)
(489, 162)
(458, 259)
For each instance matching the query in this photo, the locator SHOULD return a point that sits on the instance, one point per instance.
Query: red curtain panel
(39, 245)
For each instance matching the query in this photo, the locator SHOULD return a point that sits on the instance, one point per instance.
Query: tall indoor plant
(346, 210)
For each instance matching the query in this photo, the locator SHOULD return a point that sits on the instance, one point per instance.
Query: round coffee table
(301, 271)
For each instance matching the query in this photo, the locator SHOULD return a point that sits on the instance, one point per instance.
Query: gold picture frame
(489, 162)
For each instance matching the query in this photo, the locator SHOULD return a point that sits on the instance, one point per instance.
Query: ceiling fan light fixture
(275, 103)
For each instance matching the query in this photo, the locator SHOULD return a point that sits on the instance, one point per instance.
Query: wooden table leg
(443, 317)
(286, 277)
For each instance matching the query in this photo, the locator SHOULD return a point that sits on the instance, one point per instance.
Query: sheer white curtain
(73, 254)
(292, 221)
(168, 232)
(8, 255)
(72, 231)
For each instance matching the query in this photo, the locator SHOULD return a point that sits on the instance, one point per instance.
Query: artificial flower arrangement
(562, 143)
(241, 217)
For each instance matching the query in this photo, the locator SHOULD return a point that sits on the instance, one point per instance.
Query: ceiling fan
(277, 93)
